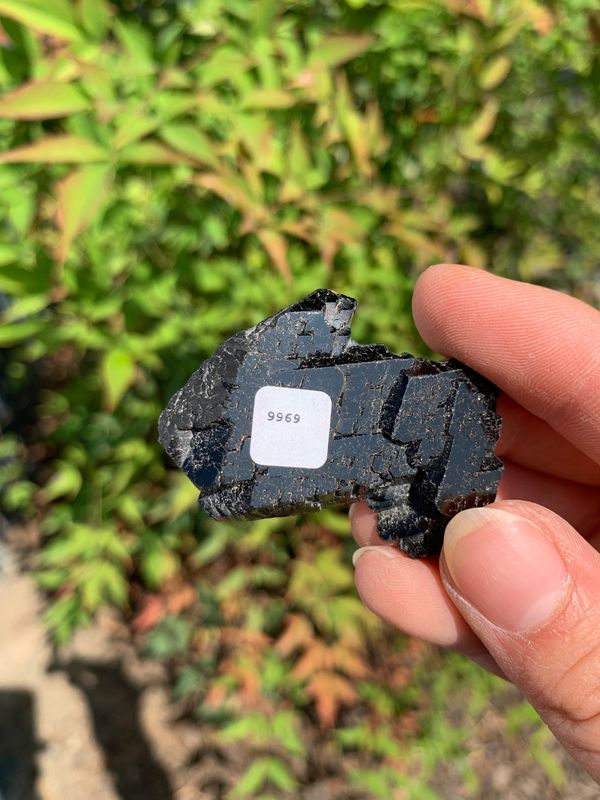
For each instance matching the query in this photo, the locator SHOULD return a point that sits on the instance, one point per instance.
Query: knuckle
(573, 701)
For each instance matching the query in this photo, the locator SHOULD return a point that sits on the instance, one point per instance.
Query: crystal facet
(292, 415)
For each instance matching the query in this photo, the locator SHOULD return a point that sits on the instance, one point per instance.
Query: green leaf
(64, 616)
(253, 779)
(45, 20)
(8, 254)
(264, 12)
(51, 579)
(181, 497)
(298, 157)
(495, 72)
(285, 727)
(171, 638)
(484, 123)
(118, 373)
(133, 124)
(167, 105)
(63, 149)
(158, 564)
(264, 770)
(138, 47)
(43, 100)
(95, 17)
(19, 331)
(280, 775)
(66, 481)
(223, 63)
(187, 139)
(22, 206)
(63, 9)
(24, 307)
(332, 51)
(539, 746)
(20, 281)
(80, 197)
(151, 152)
(212, 547)
(252, 727)
(102, 581)
(268, 98)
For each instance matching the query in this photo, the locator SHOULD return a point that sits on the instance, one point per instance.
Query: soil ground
(96, 724)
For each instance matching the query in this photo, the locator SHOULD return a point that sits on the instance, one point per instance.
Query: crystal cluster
(293, 415)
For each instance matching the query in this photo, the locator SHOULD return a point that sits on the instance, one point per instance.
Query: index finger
(539, 346)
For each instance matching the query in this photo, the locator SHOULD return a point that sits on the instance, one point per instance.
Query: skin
(534, 619)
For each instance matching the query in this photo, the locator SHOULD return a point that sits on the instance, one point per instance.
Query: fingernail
(382, 550)
(505, 567)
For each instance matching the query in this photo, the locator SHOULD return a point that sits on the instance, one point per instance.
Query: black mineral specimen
(292, 415)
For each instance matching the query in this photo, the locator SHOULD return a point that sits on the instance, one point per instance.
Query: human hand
(517, 587)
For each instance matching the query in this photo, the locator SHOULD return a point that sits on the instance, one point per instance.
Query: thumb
(529, 586)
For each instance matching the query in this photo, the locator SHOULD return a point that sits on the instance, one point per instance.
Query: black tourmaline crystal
(292, 415)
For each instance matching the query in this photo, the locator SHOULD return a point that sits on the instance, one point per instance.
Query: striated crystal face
(292, 415)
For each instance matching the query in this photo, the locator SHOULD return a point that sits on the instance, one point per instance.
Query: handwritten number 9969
(281, 417)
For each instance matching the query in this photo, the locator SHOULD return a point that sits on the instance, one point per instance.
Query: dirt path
(97, 725)
(94, 727)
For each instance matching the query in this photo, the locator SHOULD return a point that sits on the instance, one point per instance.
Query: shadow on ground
(114, 704)
(18, 745)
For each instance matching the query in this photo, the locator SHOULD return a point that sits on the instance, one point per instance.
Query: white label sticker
(290, 427)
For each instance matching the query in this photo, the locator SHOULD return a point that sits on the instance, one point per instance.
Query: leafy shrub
(172, 172)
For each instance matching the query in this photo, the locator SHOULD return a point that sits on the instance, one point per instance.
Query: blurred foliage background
(174, 170)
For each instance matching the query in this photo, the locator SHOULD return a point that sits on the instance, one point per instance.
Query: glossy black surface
(413, 438)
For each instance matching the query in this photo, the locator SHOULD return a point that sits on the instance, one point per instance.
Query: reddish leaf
(425, 115)
(180, 598)
(247, 672)
(80, 197)
(43, 100)
(347, 660)
(276, 246)
(153, 610)
(470, 8)
(34, 16)
(301, 229)
(238, 636)
(235, 192)
(298, 633)
(539, 16)
(332, 51)
(56, 150)
(316, 657)
(216, 695)
(336, 228)
(268, 98)
(330, 691)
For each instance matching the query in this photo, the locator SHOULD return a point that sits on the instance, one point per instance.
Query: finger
(363, 522)
(577, 503)
(529, 587)
(408, 594)
(527, 440)
(534, 343)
